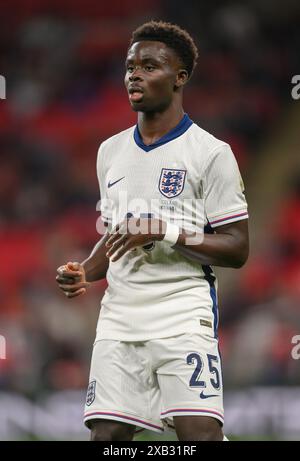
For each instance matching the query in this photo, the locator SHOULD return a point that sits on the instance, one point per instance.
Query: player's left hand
(132, 233)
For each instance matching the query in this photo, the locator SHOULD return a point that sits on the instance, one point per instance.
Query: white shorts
(147, 383)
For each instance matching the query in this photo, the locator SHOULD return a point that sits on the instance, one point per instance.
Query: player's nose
(135, 76)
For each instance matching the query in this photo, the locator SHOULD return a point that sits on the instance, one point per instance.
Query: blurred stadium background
(64, 62)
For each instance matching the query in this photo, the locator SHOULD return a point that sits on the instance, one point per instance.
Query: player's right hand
(71, 279)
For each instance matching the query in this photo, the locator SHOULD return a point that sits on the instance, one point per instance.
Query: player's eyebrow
(148, 58)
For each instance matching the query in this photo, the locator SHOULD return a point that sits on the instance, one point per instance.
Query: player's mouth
(135, 93)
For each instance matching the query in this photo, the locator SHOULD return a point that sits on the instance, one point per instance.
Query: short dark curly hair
(173, 36)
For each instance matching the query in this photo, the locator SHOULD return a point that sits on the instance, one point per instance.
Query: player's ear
(181, 78)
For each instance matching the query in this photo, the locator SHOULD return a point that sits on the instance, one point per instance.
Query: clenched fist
(71, 279)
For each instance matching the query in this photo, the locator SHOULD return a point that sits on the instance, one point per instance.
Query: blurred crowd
(64, 67)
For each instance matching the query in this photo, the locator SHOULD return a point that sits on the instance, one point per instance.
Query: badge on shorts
(91, 393)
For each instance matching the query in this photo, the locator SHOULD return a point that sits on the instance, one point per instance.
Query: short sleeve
(224, 197)
(105, 205)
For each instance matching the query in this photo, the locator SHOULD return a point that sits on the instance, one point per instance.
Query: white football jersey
(190, 178)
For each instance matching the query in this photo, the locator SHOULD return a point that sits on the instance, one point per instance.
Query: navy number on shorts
(190, 360)
(215, 382)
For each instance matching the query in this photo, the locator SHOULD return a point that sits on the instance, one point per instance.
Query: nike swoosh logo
(204, 396)
(110, 184)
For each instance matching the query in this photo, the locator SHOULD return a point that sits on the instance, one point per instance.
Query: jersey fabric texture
(187, 176)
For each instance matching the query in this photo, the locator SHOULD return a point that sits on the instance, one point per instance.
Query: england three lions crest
(91, 393)
(171, 182)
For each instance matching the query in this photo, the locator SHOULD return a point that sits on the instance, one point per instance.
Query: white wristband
(172, 234)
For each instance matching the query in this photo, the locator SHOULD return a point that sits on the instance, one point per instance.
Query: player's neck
(154, 125)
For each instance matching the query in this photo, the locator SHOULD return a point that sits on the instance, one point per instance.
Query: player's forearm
(228, 247)
(96, 264)
(223, 250)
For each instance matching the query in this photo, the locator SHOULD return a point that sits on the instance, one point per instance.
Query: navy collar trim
(181, 128)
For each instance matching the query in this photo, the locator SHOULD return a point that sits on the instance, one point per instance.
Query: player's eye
(149, 68)
(130, 69)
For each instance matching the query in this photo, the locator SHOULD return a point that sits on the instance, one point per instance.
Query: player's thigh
(122, 387)
(107, 430)
(197, 428)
